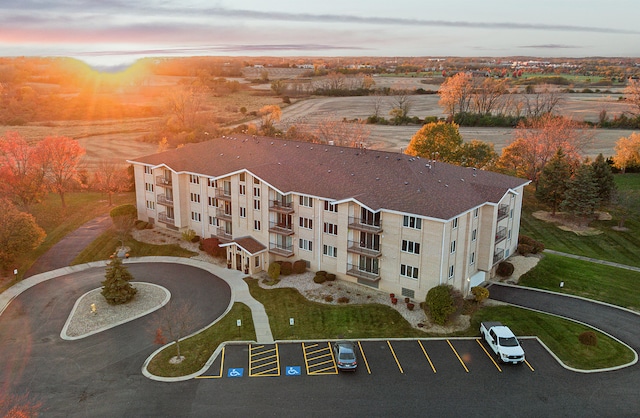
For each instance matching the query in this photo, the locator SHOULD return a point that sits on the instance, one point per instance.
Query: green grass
(560, 335)
(199, 348)
(105, 245)
(593, 281)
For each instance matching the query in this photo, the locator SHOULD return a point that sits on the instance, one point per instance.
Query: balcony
(501, 234)
(370, 274)
(163, 181)
(498, 256)
(503, 212)
(223, 194)
(280, 206)
(165, 201)
(283, 250)
(165, 219)
(221, 213)
(365, 225)
(355, 247)
(281, 228)
(223, 234)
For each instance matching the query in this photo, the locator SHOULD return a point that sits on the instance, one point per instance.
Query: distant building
(390, 221)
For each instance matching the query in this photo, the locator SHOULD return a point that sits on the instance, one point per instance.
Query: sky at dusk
(113, 32)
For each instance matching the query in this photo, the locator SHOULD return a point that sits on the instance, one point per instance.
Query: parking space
(454, 357)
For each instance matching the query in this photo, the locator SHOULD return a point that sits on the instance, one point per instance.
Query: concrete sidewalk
(593, 260)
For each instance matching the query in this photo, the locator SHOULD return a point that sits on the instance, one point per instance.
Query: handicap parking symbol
(293, 371)
(238, 372)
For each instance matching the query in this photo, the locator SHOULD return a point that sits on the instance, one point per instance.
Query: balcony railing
(355, 247)
(281, 228)
(222, 194)
(280, 206)
(365, 225)
(222, 214)
(165, 219)
(503, 212)
(223, 234)
(498, 256)
(283, 250)
(164, 200)
(372, 274)
(163, 181)
(501, 234)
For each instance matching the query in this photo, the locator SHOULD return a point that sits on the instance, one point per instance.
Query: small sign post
(291, 323)
(239, 324)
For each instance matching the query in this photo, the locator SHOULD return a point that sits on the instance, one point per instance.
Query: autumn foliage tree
(63, 156)
(19, 234)
(456, 94)
(537, 140)
(111, 178)
(22, 169)
(632, 92)
(627, 152)
(270, 114)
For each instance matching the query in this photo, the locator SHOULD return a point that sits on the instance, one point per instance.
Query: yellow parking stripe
(530, 367)
(457, 355)
(427, 356)
(317, 358)
(261, 360)
(221, 368)
(395, 357)
(489, 355)
(366, 363)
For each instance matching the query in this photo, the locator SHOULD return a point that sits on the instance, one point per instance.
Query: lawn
(617, 246)
(199, 348)
(590, 280)
(105, 245)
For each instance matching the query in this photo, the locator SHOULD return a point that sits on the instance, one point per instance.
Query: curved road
(98, 375)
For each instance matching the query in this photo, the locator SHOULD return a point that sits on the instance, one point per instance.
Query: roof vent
(271, 142)
(377, 178)
(237, 157)
(474, 172)
(297, 146)
(406, 182)
(328, 171)
(461, 179)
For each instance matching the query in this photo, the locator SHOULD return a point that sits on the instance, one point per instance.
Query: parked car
(345, 355)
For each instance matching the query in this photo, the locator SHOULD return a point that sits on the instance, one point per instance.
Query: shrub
(440, 303)
(319, 279)
(480, 293)
(195, 239)
(343, 299)
(299, 267)
(124, 210)
(588, 338)
(286, 268)
(536, 246)
(505, 269)
(188, 235)
(525, 249)
(274, 271)
(330, 277)
(211, 246)
(140, 225)
(328, 298)
(321, 273)
(410, 306)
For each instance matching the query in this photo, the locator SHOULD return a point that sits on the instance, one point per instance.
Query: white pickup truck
(502, 342)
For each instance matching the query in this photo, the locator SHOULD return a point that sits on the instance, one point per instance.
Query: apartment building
(394, 222)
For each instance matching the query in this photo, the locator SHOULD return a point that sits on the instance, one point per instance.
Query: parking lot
(375, 357)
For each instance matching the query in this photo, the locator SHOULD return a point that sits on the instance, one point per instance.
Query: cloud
(551, 46)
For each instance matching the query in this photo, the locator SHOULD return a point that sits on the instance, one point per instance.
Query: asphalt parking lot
(376, 358)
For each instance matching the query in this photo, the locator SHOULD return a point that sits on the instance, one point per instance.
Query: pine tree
(604, 179)
(116, 287)
(581, 197)
(553, 180)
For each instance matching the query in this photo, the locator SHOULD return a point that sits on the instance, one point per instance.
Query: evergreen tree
(581, 197)
(116, 288)
(604, 179)
(553, 181)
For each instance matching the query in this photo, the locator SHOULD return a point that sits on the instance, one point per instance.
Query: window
(455, 223)
(195, 216)
(256, 225)
(256, 180)
(306, 244)
(331, 229)
(193, 179)
(147, 169)
(306, 201)
(243, 212)
(213, 201)
(330, 207)
(151, 205)
(306, 223)
(213, 221)
(329, 250)
(412, 222)
(195, 197)
(453, 247)
(509, 234)
(511, 213)
(408, 271)
(472, 259)
(451, 271)
(256, 191)
(410, 247)
(212, 183)
(475, 213)
(256, 204)
(257, 261)
(241, 176)
(243, 189)
(474, 234)
(148, 187)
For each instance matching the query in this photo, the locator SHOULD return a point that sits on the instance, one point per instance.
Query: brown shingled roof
(377, 179)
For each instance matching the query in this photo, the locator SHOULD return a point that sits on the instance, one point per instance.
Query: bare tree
(111, 177)
(487, 95)
(538, 103)
(176, 322)
(332, 130)
(183, 104)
